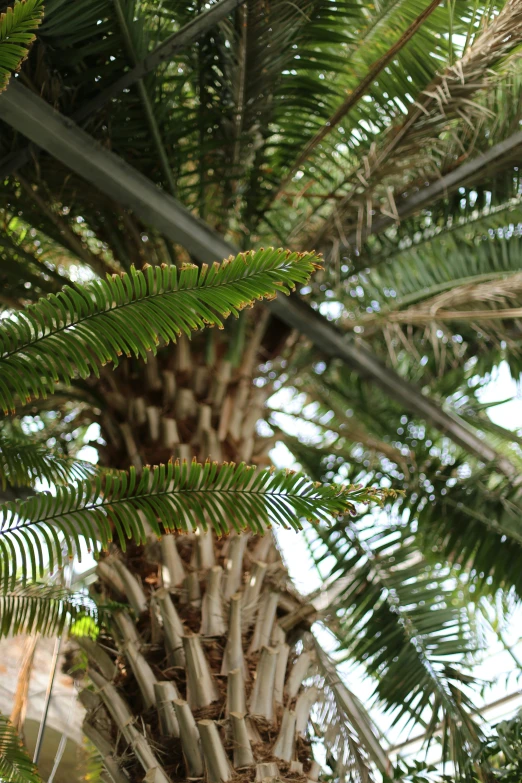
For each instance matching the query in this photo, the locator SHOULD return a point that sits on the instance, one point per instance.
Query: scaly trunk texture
(201, 675)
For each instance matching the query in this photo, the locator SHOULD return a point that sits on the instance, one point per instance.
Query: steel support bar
(441, 187)
(172, 46)
(61, 138)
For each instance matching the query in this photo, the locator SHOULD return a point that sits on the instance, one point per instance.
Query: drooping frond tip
(171, 498)
(73, 332)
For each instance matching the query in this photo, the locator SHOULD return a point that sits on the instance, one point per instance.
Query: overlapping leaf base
(201, 677)
(193, 399)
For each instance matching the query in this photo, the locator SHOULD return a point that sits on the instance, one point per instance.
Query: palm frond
(462, 521)
(42, 608)
(468, 291)
(453, 299)
(74, 331)
(465, 512)
(400, 618)
(396, 603)
(22, 462)
(492, 208)
(474, 524)
(17, 26)
(449, 267)
(359, 91)
(345, 727)
(181, 496)
(383, 29)
(15, 764)
(401, 158)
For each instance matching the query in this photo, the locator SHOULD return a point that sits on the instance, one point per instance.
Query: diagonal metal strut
(61, 138)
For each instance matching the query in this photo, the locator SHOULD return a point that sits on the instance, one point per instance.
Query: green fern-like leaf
(15, 764)
(17, 26)
(40, 608)
(23, 462)
(395, 613)
(71, 333)
(172, 498)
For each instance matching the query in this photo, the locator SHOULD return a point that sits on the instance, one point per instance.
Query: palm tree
(77, 332)
(74, 332)
(310, 124)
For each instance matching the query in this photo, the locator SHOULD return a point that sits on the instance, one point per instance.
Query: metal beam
(173, 45)
(61, 138)
(441, 187)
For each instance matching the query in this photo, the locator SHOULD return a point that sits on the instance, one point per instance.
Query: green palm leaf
(475, 523)
(40, 608)
(15, 764)
(402, 619)
(72, 332)
(17, 27)
(467, 514)
(443, 265)
(22, 462)
(173, 498)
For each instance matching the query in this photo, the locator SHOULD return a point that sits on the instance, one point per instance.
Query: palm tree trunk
(198, 676)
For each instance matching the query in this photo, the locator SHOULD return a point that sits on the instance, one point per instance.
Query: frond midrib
(215, 492)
